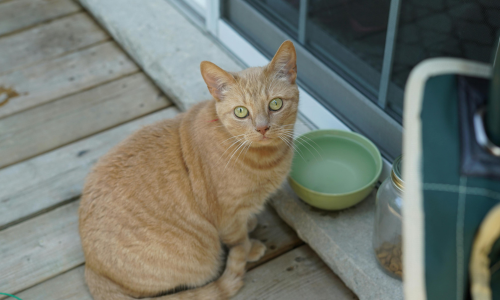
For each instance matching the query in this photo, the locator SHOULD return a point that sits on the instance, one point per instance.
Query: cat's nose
(263, 129)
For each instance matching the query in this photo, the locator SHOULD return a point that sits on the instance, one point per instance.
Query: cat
(157, 208)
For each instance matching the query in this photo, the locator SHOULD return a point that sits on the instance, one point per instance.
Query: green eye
(241, 111)
(275, 104)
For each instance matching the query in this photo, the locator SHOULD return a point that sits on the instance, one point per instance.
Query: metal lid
(396, 173)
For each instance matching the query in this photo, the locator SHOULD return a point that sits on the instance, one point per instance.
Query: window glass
(442, 28)
(349, 36)
(284, 13)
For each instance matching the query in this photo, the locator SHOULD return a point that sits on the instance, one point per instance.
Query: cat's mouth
(264, 139)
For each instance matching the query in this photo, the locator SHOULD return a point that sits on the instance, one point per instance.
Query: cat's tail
(225, 287)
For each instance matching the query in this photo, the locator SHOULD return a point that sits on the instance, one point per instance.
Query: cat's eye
(275, 104)
(241, 111)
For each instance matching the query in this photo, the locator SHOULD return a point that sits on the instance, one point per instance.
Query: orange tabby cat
(156, 208)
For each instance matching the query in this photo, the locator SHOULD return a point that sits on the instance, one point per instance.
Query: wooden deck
(68, 93)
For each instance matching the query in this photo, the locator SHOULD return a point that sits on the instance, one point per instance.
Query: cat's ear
(284, 63)
(218, 81)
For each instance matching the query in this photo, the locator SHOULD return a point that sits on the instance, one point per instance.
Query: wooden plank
(297, 275)
(71, 285)
(275, 234)
(18, 14)
(38, 249)
(60, 122)
(48, 41)
(67, 286)
(46, 246)
(52, 178)
(65, 75)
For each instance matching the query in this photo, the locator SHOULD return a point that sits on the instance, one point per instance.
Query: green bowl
(334, 169)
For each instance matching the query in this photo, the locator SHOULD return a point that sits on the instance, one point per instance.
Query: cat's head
(258, 104)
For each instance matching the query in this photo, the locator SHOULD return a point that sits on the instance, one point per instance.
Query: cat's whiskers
(222, 155)
(301, 140)
(291, 145)
(242, 150)
(234, 152)
(303, 137)
(292, 140)
(312, 141)
(249, 145)
(286, 130)
(303, 145)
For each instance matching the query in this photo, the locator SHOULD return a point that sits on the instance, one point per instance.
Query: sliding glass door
(354, 56)
(367, 40)
(371, 44)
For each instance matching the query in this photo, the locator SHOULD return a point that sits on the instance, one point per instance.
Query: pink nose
(262, 129)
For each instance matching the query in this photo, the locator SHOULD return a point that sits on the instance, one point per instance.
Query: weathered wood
(71, 284)
(49, 179)
(60, 122)
(65, 75)
(67, 286)
(39, 249)
(48, 41)
(49, 245)
(18, 14)
(297, 275)
(275, 234)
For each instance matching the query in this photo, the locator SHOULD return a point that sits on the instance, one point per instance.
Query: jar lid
(396, 173)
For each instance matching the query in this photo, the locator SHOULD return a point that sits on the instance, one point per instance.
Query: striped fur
(156, 208)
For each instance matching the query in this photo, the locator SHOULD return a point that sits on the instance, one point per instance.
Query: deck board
(52, 178)
(39, 249)
(19, 14)
(275, 234)
(60, 122)
(48, 245)
(67, 286)
(65, 75)
(297, 275)
(48, 41)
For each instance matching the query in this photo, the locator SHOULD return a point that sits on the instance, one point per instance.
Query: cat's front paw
(256, 251)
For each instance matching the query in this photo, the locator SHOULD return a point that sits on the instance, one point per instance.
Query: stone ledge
(169, 49)
(343, 239)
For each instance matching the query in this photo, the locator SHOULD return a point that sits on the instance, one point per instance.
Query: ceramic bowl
(334, 169)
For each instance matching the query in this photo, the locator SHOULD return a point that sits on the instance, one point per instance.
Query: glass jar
(387, 239)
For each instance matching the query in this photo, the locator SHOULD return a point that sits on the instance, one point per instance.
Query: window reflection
(349, 36)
